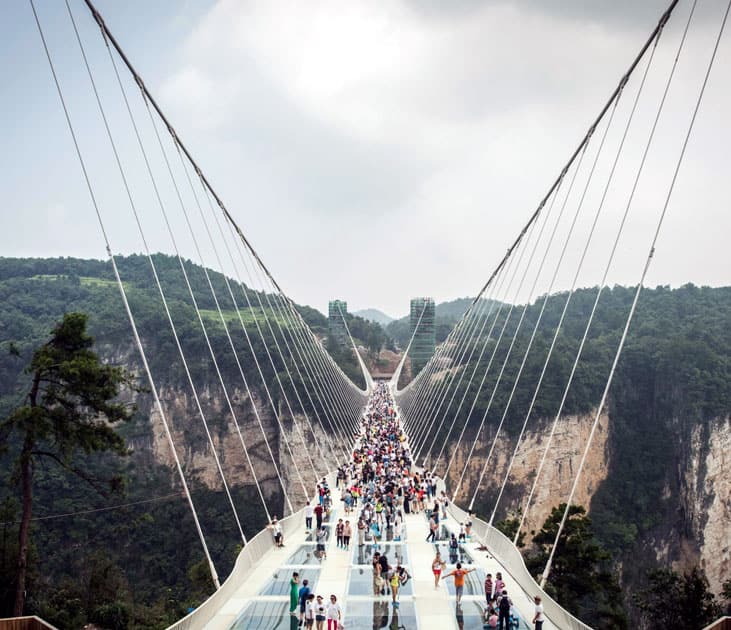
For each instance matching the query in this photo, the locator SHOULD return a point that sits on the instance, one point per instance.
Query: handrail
(509, 556)
(250, 555)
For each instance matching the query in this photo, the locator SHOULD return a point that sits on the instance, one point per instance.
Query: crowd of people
(376, 489)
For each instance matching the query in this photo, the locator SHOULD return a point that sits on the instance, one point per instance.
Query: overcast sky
(374, 151)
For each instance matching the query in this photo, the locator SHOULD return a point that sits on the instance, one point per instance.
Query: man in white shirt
(309, 511)
(538, 617)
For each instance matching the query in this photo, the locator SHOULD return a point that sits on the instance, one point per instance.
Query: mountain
(656, 482)
(374, 315)
(139, 557)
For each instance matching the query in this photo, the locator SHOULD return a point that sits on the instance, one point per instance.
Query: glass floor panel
(470, 616)
(279, 583)
(361, 583)
(270, 615)
(450, 557)
(304, 554)
(311, 537)
(474, 583)
(374, 615)
(395, 553)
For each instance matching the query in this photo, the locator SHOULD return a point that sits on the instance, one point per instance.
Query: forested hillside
(661, 486)
(659, 499)
(141, 565)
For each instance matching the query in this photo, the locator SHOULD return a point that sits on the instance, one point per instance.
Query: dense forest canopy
(150, 568)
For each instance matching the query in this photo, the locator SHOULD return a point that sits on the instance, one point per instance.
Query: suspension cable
(646, 267)
(138, 341)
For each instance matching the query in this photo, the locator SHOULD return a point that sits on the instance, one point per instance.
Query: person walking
(433, 526)
(437, 566)
(310, 611)
(459, 575)
(319, 510)
(339, 529)
(347, 533)
(321, 538)
(304, 594)
(320, 613)
(538, 617)
(488, 588)
(334, 614)
(503, 609)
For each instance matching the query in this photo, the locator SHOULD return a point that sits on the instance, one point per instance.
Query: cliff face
(194, 450)
(554, 485)
(696, 497)
(706, 501)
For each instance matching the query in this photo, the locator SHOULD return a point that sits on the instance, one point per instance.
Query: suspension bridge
(466, 415)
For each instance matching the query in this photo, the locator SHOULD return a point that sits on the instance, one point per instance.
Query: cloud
(425, 131)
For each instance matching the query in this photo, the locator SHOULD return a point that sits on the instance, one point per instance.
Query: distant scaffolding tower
(336, 311)
(422, 347)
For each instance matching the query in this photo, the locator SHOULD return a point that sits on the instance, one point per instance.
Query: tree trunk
(26, 482)
(26, 478)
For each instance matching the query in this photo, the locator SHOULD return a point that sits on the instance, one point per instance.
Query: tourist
(459, 575)
(334, 614)
(378, 580)
(303, 595)
(503, 606)
(437, 566)
(538, 617)
(433, 527)
(453, 549)
(320, 613)
(347, 533)
(321, 538)
(319, 510)
(310, 611)
(308, 516)
(339, 533)
(294, 597)
(277, 532)
(499, 584)
(488, 588)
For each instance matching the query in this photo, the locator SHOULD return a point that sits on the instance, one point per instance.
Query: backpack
(504, 604)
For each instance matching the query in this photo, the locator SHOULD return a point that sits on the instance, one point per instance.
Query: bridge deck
(256, 594)
(261, 600)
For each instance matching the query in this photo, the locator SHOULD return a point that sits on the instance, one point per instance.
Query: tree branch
(94, 483)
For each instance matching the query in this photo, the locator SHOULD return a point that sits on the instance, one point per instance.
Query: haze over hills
(374, 315)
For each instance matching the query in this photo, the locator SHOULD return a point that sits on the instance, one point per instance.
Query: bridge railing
(509, 556)
(250, 556)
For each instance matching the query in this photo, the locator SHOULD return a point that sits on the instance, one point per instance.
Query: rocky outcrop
(706, 498)
(559, 470)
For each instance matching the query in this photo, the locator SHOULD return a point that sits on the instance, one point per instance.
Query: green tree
(580, 578)
(674, 600)
(509, 527)
(71, 405)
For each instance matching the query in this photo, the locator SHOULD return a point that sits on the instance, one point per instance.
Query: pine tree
(72, 405)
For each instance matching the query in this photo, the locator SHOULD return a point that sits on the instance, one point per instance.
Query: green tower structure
(421, 319)
(336, 311)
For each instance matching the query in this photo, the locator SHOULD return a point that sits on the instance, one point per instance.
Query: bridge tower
(421, 320)
(336, 311)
